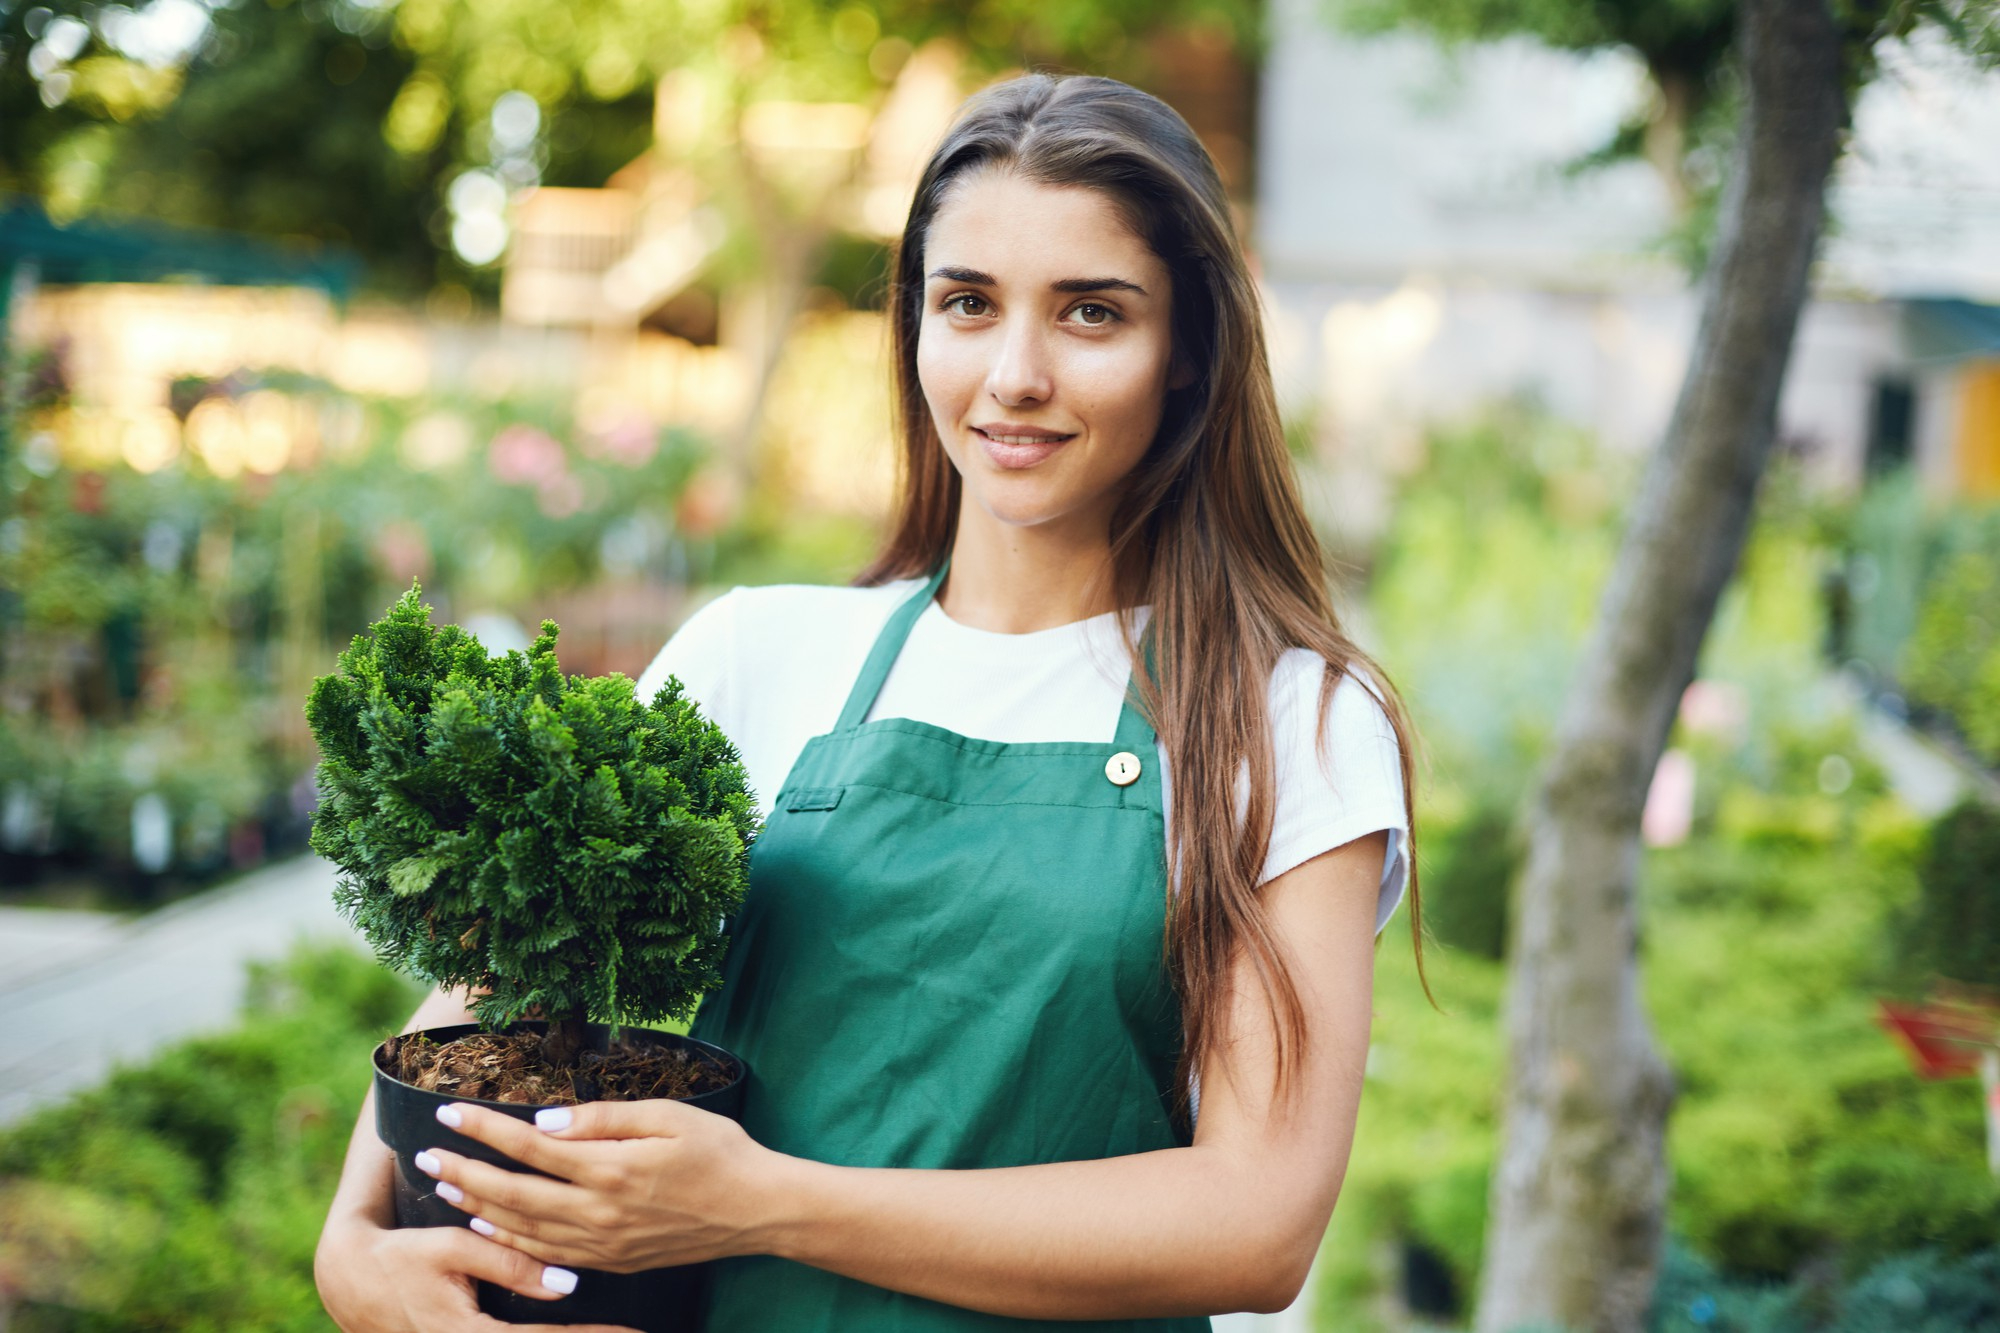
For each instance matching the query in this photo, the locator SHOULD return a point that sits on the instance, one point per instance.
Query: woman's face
(1044, 350)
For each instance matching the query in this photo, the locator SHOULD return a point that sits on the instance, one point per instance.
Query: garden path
(84, 991)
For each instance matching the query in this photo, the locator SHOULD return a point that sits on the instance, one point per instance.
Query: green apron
(950, 956)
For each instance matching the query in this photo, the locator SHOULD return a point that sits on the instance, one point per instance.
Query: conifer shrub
(554, 842)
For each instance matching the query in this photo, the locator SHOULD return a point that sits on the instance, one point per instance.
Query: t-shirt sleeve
(702, 654)
(1357, 790)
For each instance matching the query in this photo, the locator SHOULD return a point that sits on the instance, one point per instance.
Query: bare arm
(1229, 1223)
(366, 1192)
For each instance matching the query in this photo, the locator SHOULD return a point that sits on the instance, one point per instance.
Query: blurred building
(1425, 251)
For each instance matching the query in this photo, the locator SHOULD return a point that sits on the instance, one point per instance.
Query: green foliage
(187, 1193)
(1953, 658)
(1953, 929)
(1503, 540)
(157, 628)
(1466, 887)
(1918, 585)
(1924, 1291)
(344, 121)
(1801, 1136)
(553, 840)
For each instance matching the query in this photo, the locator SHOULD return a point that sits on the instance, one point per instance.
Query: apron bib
(950, 956)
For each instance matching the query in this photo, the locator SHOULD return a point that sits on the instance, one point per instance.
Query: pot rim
(735, 1063)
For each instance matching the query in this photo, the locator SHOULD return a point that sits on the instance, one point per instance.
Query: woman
(1007, 1071)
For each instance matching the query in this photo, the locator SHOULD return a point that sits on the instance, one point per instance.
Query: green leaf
(413, 874)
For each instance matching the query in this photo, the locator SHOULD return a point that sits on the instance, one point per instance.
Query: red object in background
(1943, 1038)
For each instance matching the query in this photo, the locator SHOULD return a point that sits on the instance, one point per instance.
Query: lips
(1023, 437)
(1011, 451)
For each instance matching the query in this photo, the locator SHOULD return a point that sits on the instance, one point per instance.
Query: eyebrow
(974, 276)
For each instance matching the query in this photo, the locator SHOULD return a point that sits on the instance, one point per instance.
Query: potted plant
(563, 848)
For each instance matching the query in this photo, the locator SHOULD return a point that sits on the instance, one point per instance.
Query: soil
(508, 1067)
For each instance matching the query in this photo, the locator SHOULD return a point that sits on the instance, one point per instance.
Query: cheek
(1119, 386)
(948, 374)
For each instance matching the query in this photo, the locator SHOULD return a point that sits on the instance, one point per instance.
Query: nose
(1020, 372)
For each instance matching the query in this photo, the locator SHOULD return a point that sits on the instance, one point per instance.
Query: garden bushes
(187, 1193)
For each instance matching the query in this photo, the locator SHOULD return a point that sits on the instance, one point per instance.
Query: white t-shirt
(773, 666)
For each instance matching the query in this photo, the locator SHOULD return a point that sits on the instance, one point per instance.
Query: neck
(1013, 580)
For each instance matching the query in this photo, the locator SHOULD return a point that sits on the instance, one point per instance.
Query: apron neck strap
(883, 655)
(1134, 732)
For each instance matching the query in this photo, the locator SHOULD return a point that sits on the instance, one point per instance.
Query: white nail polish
(427, 1163)
(559, 1280)
(449, 1115)
(449, 1192)
(482, 1226)
(553, 1118)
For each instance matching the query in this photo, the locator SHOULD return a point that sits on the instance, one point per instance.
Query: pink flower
(629, 440)
(521, 455)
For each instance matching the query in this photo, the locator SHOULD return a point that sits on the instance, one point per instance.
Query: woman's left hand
(637, 1184)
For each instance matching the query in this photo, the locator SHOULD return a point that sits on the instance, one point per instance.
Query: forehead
(1021, 230)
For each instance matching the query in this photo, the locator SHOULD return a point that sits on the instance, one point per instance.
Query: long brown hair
(1210, 530)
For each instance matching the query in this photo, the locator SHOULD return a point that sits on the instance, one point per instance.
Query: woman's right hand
(421, 1280)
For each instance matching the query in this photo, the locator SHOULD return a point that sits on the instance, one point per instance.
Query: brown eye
(1108, 314)
(951, 301)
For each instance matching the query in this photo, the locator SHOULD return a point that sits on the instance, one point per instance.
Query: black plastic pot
(659, 1300)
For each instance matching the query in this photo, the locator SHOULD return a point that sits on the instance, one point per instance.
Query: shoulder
(1338, 771)
(758, 631)
(799, 609)
(1355, 718)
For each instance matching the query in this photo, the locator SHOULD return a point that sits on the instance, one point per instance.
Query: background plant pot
(660, 1300)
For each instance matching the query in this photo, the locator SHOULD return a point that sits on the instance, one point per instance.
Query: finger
(459, 1251)
(568, 1253)
(460, 1180)
(513, 1137)
(657, 1117)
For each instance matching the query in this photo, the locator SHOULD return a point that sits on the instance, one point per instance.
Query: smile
(1023, 439)
(1014, 452)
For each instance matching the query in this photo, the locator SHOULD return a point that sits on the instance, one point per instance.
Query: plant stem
(565, 1041)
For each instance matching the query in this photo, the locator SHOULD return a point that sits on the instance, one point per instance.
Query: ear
(1180, 373)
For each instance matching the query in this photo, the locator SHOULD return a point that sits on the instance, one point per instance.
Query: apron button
(1122, 768)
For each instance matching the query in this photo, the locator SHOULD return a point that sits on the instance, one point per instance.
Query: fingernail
(449, 1192)
(559, 1280)
(482, 1226)
(448, 1115)
(553, 1118)
(428, 1163)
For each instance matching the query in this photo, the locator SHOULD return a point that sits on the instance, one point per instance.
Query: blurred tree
(268, 120)
(1577, 1206)
(349, 119)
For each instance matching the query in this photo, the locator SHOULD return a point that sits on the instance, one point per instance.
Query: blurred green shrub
(187, 1193)
(1925, 1291)
(1917, 597)
(1470, 872)
(1801, 1140)
(159, 628)
(1952, 662)
(1953, 929)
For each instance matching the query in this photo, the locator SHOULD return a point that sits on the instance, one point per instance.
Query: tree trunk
(1576, 1220)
